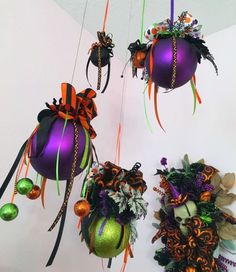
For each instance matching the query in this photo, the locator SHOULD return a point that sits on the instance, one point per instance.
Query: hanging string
(172, 8)
(105, 16)
(79, 42)
(142, 21)
(119, 130)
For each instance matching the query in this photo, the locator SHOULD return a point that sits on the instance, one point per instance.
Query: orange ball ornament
(205, 196)
(34, 193)
(139, 59)
(82, 208)
(191, 269)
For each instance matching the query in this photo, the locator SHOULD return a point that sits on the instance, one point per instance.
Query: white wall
(37, 49)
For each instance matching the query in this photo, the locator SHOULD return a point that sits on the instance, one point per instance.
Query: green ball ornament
(109, 239)
(9, 212)
(24, 186)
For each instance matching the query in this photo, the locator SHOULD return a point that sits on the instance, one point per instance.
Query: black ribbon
(13, 169)
(108, 74)
(137, 46)
(109, 263)
(60, 231)
(121, 236)
(43, 132)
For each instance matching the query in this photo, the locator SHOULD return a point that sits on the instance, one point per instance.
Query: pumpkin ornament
(101, 53)
(59, 148)
(116, 202)
(190, 219)
(176, 47)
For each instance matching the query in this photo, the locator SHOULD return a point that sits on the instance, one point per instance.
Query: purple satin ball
(163, 62)
(45, 163)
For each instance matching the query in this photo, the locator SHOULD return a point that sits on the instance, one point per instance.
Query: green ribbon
(84, 189)
(85, 155)
(145, 111)
(58, 155)
(142, 21)
(194, 95)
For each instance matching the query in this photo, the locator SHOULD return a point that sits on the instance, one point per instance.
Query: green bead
(24, 186)
(9, 212)
(105, 245)
(206, 219)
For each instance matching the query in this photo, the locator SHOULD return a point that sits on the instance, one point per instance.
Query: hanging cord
(79, 42)
(105, 16)
(119, 130)
(172, 12)
(142, 21)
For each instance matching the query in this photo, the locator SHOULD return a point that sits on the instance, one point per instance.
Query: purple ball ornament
(45, 162)
(63, 139)
(172, 59)
(164, 63)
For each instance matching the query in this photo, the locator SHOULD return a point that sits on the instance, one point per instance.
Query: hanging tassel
(99, 68)
(195, 85)
(13, 169)
(58, 154)
(146, 114)
(126, 256)
(156, 107)
(71, 181)
(44, 181)
(108, 77)
(117, 156)
(60, 231)
(87, 69)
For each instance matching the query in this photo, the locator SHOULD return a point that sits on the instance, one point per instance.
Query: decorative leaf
(228, 180)
(225, 200)
(202, 161)
(133, 232)
(215, 181)
(157, 215)
(227, 231)
(155, 225)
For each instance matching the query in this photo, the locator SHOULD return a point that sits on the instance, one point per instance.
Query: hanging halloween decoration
(194, 225)
(59, 148)
(175, 49)
(115, 204)
(101, 53)
(138, 52)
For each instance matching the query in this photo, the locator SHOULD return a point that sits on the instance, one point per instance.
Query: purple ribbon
(172, 14)
(102, 227)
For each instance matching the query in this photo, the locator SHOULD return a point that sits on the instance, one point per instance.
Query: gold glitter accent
(99, 68)
(76, 135)
(173, 79)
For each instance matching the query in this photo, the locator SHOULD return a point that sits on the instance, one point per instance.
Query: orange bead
(82, 208)
(35, 192)
(191, 269)
(139, 59)
(205, 196)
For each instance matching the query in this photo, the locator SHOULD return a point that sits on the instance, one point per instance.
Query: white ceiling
(214, 15)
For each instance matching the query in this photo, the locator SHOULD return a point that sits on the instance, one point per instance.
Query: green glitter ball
(109, 241)
(24, 186)
(9, 212)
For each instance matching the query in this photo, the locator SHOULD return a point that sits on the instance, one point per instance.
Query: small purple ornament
(163, 62)
(174, 192)
(45, 163)
(164, 161)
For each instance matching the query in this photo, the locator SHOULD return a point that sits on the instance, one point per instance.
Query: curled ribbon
(112, 177)
(79, 106)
